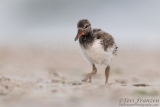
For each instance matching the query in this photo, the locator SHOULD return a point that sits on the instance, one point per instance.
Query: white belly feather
(96, 54)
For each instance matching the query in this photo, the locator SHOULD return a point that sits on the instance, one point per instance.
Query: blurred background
(41, 64)
(132, 23)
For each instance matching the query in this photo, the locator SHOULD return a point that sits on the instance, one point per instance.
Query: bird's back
(107, 40)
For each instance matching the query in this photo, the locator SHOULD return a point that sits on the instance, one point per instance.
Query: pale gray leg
(89, 75)
(107, 70)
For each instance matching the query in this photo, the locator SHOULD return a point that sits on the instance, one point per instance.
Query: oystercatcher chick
(98, 47)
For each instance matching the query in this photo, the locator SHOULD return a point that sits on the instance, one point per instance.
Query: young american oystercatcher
(98, 47)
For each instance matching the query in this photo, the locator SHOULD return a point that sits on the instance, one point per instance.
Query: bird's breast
(95, 53)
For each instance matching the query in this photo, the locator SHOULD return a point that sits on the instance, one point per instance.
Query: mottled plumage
(98, 46)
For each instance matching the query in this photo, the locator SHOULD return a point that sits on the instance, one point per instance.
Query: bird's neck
(86, 40)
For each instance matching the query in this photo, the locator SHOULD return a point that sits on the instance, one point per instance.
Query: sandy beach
(35, 77)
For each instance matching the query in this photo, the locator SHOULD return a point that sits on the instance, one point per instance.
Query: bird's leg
(89, 75)
(107, 70)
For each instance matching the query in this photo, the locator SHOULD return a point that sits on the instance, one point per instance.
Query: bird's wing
(106, 39)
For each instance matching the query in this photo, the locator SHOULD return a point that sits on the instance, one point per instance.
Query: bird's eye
(86, 26)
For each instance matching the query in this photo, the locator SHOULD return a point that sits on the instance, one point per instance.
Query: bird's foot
(88, 78)
(84, 80)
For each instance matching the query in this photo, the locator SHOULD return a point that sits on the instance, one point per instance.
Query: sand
(38, 77)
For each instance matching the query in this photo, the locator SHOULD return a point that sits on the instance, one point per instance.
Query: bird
(98, 47)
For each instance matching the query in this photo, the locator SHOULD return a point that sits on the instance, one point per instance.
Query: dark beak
(76, 38)
(79, 34)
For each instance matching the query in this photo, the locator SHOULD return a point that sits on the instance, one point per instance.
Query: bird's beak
(79, 34)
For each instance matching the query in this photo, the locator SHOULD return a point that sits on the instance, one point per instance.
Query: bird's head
(83, 27)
